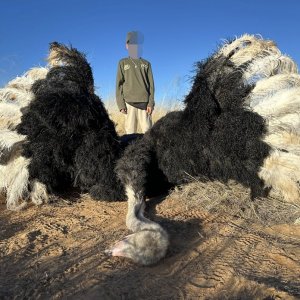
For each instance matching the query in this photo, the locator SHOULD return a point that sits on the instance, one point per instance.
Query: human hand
(149, 110)
(123, 111)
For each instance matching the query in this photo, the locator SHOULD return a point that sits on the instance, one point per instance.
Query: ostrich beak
(119, 249)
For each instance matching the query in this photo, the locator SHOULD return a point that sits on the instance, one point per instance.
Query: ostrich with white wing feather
(240, 122)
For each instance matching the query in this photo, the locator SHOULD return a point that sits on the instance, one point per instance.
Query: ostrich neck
(135, 219)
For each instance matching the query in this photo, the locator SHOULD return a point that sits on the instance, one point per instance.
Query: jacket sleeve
(119, 88)
(151, 87)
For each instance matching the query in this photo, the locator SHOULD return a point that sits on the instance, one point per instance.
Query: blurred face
(134, 50)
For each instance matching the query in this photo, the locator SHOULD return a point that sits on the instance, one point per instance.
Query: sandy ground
(56, 251)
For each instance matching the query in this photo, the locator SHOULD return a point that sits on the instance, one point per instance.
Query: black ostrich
(70, 139)
(226, 131)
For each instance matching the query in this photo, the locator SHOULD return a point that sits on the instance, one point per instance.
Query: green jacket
(134, 82)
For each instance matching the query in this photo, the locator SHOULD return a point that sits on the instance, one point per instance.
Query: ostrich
(71, 142)
(240, 121)
(56, 134)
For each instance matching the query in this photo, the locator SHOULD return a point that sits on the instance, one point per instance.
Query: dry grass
(234, 199)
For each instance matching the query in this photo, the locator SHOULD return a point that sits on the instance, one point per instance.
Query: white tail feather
(25, 82)
(9, 138)
(14, 181)
(39, 194)
(37, 73)
(8, 110)
(281, 171)
(268, 87)
(247, 47)
(280, 104)
(288, 123)
(17, 96)
(288, 141)
(10, 115)
(268, 66)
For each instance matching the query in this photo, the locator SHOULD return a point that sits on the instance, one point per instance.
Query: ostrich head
(145, 247)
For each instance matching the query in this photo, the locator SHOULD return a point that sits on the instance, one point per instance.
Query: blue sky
(177, 34)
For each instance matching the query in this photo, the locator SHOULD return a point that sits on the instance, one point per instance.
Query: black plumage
(215, 135)
(70, 139)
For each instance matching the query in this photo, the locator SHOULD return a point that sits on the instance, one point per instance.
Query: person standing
(135, 86)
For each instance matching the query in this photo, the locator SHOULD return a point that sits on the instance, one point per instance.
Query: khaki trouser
(134, 117)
